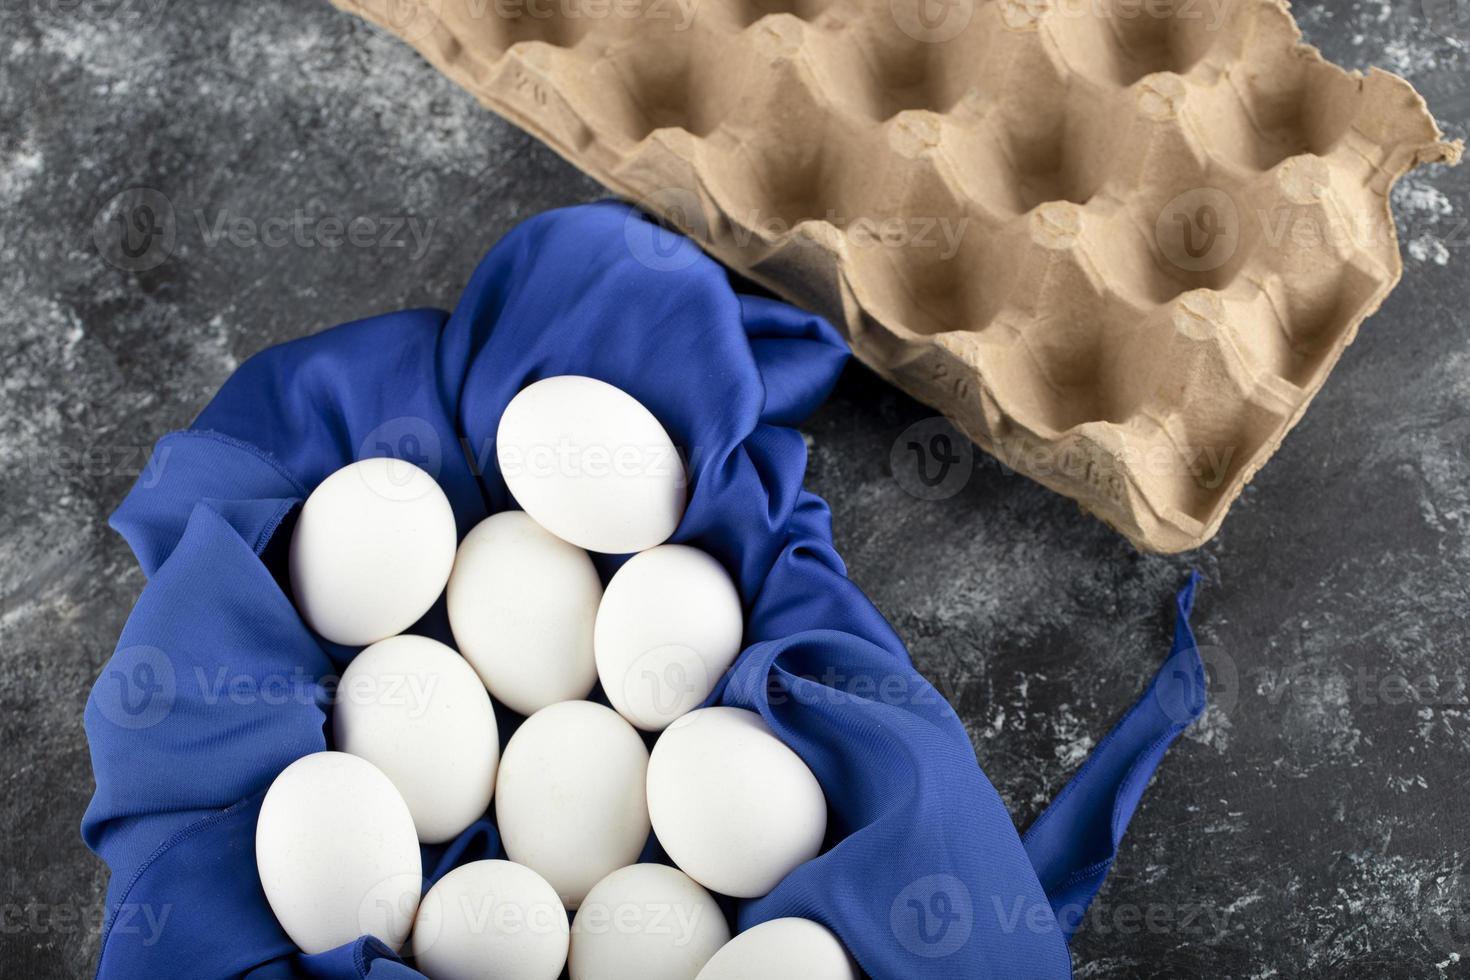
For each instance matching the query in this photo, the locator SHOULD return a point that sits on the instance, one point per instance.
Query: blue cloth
(216, 685)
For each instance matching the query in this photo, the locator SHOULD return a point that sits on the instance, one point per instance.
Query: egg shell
(782, 949)
(337, 854)
(522, 604)
(591, 465)
(371, 551)
(668, 628)
(732, 805)
(570, 802)
(646, 922)
(490, 918)
(415, 709)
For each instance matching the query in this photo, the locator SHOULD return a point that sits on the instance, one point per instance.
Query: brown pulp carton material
(1120, 243)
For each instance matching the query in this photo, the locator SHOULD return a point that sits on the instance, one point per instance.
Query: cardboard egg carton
(1120, 243)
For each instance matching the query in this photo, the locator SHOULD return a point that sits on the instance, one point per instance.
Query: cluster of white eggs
(577, 791)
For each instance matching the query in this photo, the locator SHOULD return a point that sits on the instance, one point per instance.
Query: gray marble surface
(1313, 824)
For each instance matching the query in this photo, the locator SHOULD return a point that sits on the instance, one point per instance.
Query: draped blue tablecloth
(216, 684)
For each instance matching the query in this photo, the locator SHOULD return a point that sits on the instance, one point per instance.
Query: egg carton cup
(217, 684)
(1119, 243)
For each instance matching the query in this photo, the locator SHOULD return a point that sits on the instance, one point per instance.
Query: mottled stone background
(1314, 824)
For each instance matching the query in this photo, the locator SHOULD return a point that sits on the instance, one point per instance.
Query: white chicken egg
(490, 919)
(591, 465)
(782, 949)
(522, 603)
(570, 801)
(371, 551)
(732, 805)
(646, 922)
(668, 628)
(337, 855)
(415, 709)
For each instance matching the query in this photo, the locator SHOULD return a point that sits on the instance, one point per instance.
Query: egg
(415, 709)
(490, 918)
(591, 465)
(522, 603)
(570, 801)
(646, 922)
(732, 805)
(371, 551)
(337, 855)
(668, 628)
(782, 949)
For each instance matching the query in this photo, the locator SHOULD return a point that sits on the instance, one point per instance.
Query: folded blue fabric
(216, 684)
